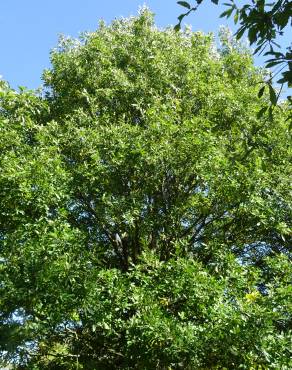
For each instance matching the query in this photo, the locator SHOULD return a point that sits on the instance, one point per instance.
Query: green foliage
(263, 21)
(145, 211)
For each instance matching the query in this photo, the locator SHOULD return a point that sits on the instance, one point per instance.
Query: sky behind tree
(30, 29)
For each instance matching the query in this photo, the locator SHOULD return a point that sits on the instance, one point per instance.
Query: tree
(145, 208)
(264, 22)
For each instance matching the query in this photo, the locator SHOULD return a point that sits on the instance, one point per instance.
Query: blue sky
(29, 29)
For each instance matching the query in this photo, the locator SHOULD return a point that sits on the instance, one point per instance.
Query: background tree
(145, 208)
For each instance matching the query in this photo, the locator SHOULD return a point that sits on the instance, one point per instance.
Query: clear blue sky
(30, 28)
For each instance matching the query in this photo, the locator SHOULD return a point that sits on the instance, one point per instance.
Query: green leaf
(282, 80)
(252, 34)
(181, 17)
(239, 33)
(275, 53)
(261, 91)
(227, 13)
(289, 119)
(274, 63)
(261, 112)
(273, 95)
(259, 47)
(177, 27)
(184, 4)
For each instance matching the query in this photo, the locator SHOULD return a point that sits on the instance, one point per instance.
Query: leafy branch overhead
(263, 22)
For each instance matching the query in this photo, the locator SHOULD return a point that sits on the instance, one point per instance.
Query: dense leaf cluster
(145, 208)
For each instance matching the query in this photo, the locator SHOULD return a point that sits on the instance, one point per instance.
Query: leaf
(226, 13)
(277, 6)
(184, 4)
(252, 35)
(215, 1)
(240, 32)
(275, 53)
(282, 81)
(287, 75)
(283, 19)
(261, 112)
(259, 47)
(273, 95)
(274, 63)
(177, 27)
(261, 91)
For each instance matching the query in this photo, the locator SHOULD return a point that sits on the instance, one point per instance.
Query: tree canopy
(145, 208)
